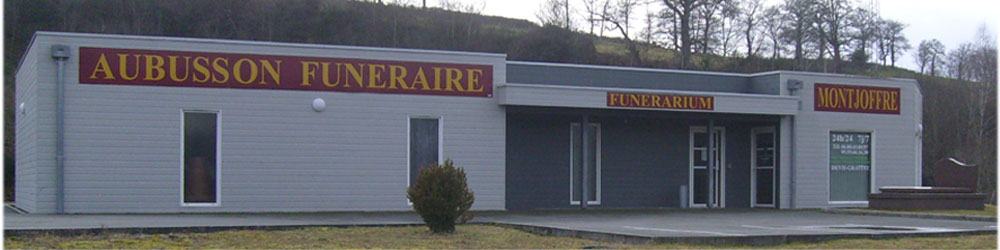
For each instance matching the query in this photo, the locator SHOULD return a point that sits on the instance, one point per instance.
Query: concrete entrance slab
(730, 226)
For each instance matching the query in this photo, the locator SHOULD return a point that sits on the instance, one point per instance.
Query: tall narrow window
(200, 157)
(577, 175)
(425, 145)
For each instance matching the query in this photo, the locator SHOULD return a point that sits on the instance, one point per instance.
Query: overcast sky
(950, 21)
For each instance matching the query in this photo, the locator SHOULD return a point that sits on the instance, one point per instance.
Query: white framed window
(424, 144)
(576, 175)
(201, 161)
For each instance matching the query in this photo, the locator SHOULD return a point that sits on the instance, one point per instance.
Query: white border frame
(722, 174)
(753, 165)
(218, 159)
(597, 134)
(871, 173)
(409, 118)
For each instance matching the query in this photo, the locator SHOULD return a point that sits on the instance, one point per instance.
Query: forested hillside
(959, 118)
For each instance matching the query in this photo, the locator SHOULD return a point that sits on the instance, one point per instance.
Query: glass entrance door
(707, 182)
(762, 176)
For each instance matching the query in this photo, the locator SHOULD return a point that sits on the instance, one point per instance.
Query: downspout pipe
(585, 189)
(794, 85)
(711, 164)
(60, 53)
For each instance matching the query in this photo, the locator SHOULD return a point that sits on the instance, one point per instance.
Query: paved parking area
(696, 226)
(734, 222)
(731, 226)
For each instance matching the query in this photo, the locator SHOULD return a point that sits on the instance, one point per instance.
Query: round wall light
(20, 108)
(319, 105)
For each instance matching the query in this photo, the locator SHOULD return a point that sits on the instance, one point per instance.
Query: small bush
(441, 195)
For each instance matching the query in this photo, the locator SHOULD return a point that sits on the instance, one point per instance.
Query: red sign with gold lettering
(248, 71)
(660, 101)
(856, 99)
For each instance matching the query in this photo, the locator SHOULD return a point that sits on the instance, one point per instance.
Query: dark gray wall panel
(644, 160)
(537, 161)
(737, 164)
(619, 78)
(767, 84)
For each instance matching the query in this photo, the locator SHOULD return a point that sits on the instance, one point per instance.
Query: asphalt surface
(640, 226)
(688, 223)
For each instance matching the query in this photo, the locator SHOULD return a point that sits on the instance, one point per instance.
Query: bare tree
(618, 17)
(958, 61)
(467, 7)
(929, 56)
(799, 15)
(749, 18)
(555, 13)
(591, 8)
(983, 64)
(773, 24)
(652, 29)
(682, 10)
(729, 31)
(834, 15)
(894, 41)
(705, 20)
(865, 25)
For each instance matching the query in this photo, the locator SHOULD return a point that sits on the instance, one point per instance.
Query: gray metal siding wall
(894, 143)
(123, 142)
(621, 78)
(26, 127)
(644, 160)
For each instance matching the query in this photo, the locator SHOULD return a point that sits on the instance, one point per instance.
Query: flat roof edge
(20, 61)
(510, 84)
(808, 73)
(591, 66)
(264, 43)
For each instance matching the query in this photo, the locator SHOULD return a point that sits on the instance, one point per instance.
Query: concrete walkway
(155, 223)
(640, 226)
(910, 214)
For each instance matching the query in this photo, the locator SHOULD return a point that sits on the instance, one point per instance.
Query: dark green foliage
(441, 195)
(554, 44)
(859, 58)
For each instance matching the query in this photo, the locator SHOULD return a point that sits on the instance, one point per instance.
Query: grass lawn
(467, 236)
(989, 210)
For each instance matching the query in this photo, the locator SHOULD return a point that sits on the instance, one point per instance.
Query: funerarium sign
(660, 101)
(856, 99)
(247, 71)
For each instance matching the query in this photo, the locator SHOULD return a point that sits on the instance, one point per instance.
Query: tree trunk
(685, 38)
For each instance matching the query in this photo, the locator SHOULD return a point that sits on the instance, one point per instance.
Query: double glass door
(707, 182)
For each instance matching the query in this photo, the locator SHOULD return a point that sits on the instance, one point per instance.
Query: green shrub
(440, 195)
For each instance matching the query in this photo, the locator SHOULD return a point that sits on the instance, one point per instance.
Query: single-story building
(142, 124)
